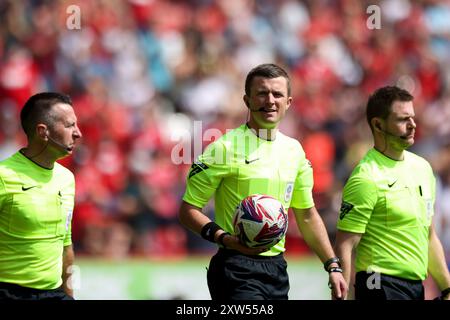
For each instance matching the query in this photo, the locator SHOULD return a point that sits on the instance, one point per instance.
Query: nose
(77, 133)
(412, 123)
(271, 98)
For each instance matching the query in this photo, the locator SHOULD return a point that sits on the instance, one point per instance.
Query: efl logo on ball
(260, 221)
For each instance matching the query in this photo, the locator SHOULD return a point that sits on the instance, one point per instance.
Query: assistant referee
(36, 204)
(387, 210)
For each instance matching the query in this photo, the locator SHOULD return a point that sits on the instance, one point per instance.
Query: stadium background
(140, 72)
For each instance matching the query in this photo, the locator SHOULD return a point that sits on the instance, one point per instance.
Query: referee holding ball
(256, 158)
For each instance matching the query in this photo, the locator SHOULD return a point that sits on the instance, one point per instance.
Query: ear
(42, 131)
(376, 123)
(245, 98)
(288, 103)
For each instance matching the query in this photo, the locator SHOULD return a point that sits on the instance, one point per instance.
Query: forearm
(345, 253)
(68, 259)
(192, 218)
(437, 266)
(346, 242)
(315, 234)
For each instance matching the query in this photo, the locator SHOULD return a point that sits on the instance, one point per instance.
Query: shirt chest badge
(288, 191)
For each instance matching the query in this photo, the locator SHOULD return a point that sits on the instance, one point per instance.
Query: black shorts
(234, 276)
(9, 291)
(372, 286)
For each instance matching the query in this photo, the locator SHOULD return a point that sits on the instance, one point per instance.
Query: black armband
(327, 263)
(209, 230)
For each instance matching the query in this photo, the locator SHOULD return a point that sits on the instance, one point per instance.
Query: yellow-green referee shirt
(36, 207)
(240, 164)
(391, 203)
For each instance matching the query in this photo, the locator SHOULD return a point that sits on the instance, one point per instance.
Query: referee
(387, 210)
(36, 204)
(256, 158)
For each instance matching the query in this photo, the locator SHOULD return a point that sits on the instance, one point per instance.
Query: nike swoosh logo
(250, 161)
(391, 184)
(27, 188)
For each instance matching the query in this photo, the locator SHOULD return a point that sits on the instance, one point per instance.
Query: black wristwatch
(327, 263)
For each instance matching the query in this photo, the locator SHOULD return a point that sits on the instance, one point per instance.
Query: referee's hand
(232, 242)
(338, 286)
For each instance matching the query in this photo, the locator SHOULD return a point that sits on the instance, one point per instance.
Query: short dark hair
(267, 70)
(38, 109)
(380, 102)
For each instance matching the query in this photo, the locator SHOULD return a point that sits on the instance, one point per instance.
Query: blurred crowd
(140, 72)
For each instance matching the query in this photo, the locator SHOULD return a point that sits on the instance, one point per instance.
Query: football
(260, 221)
